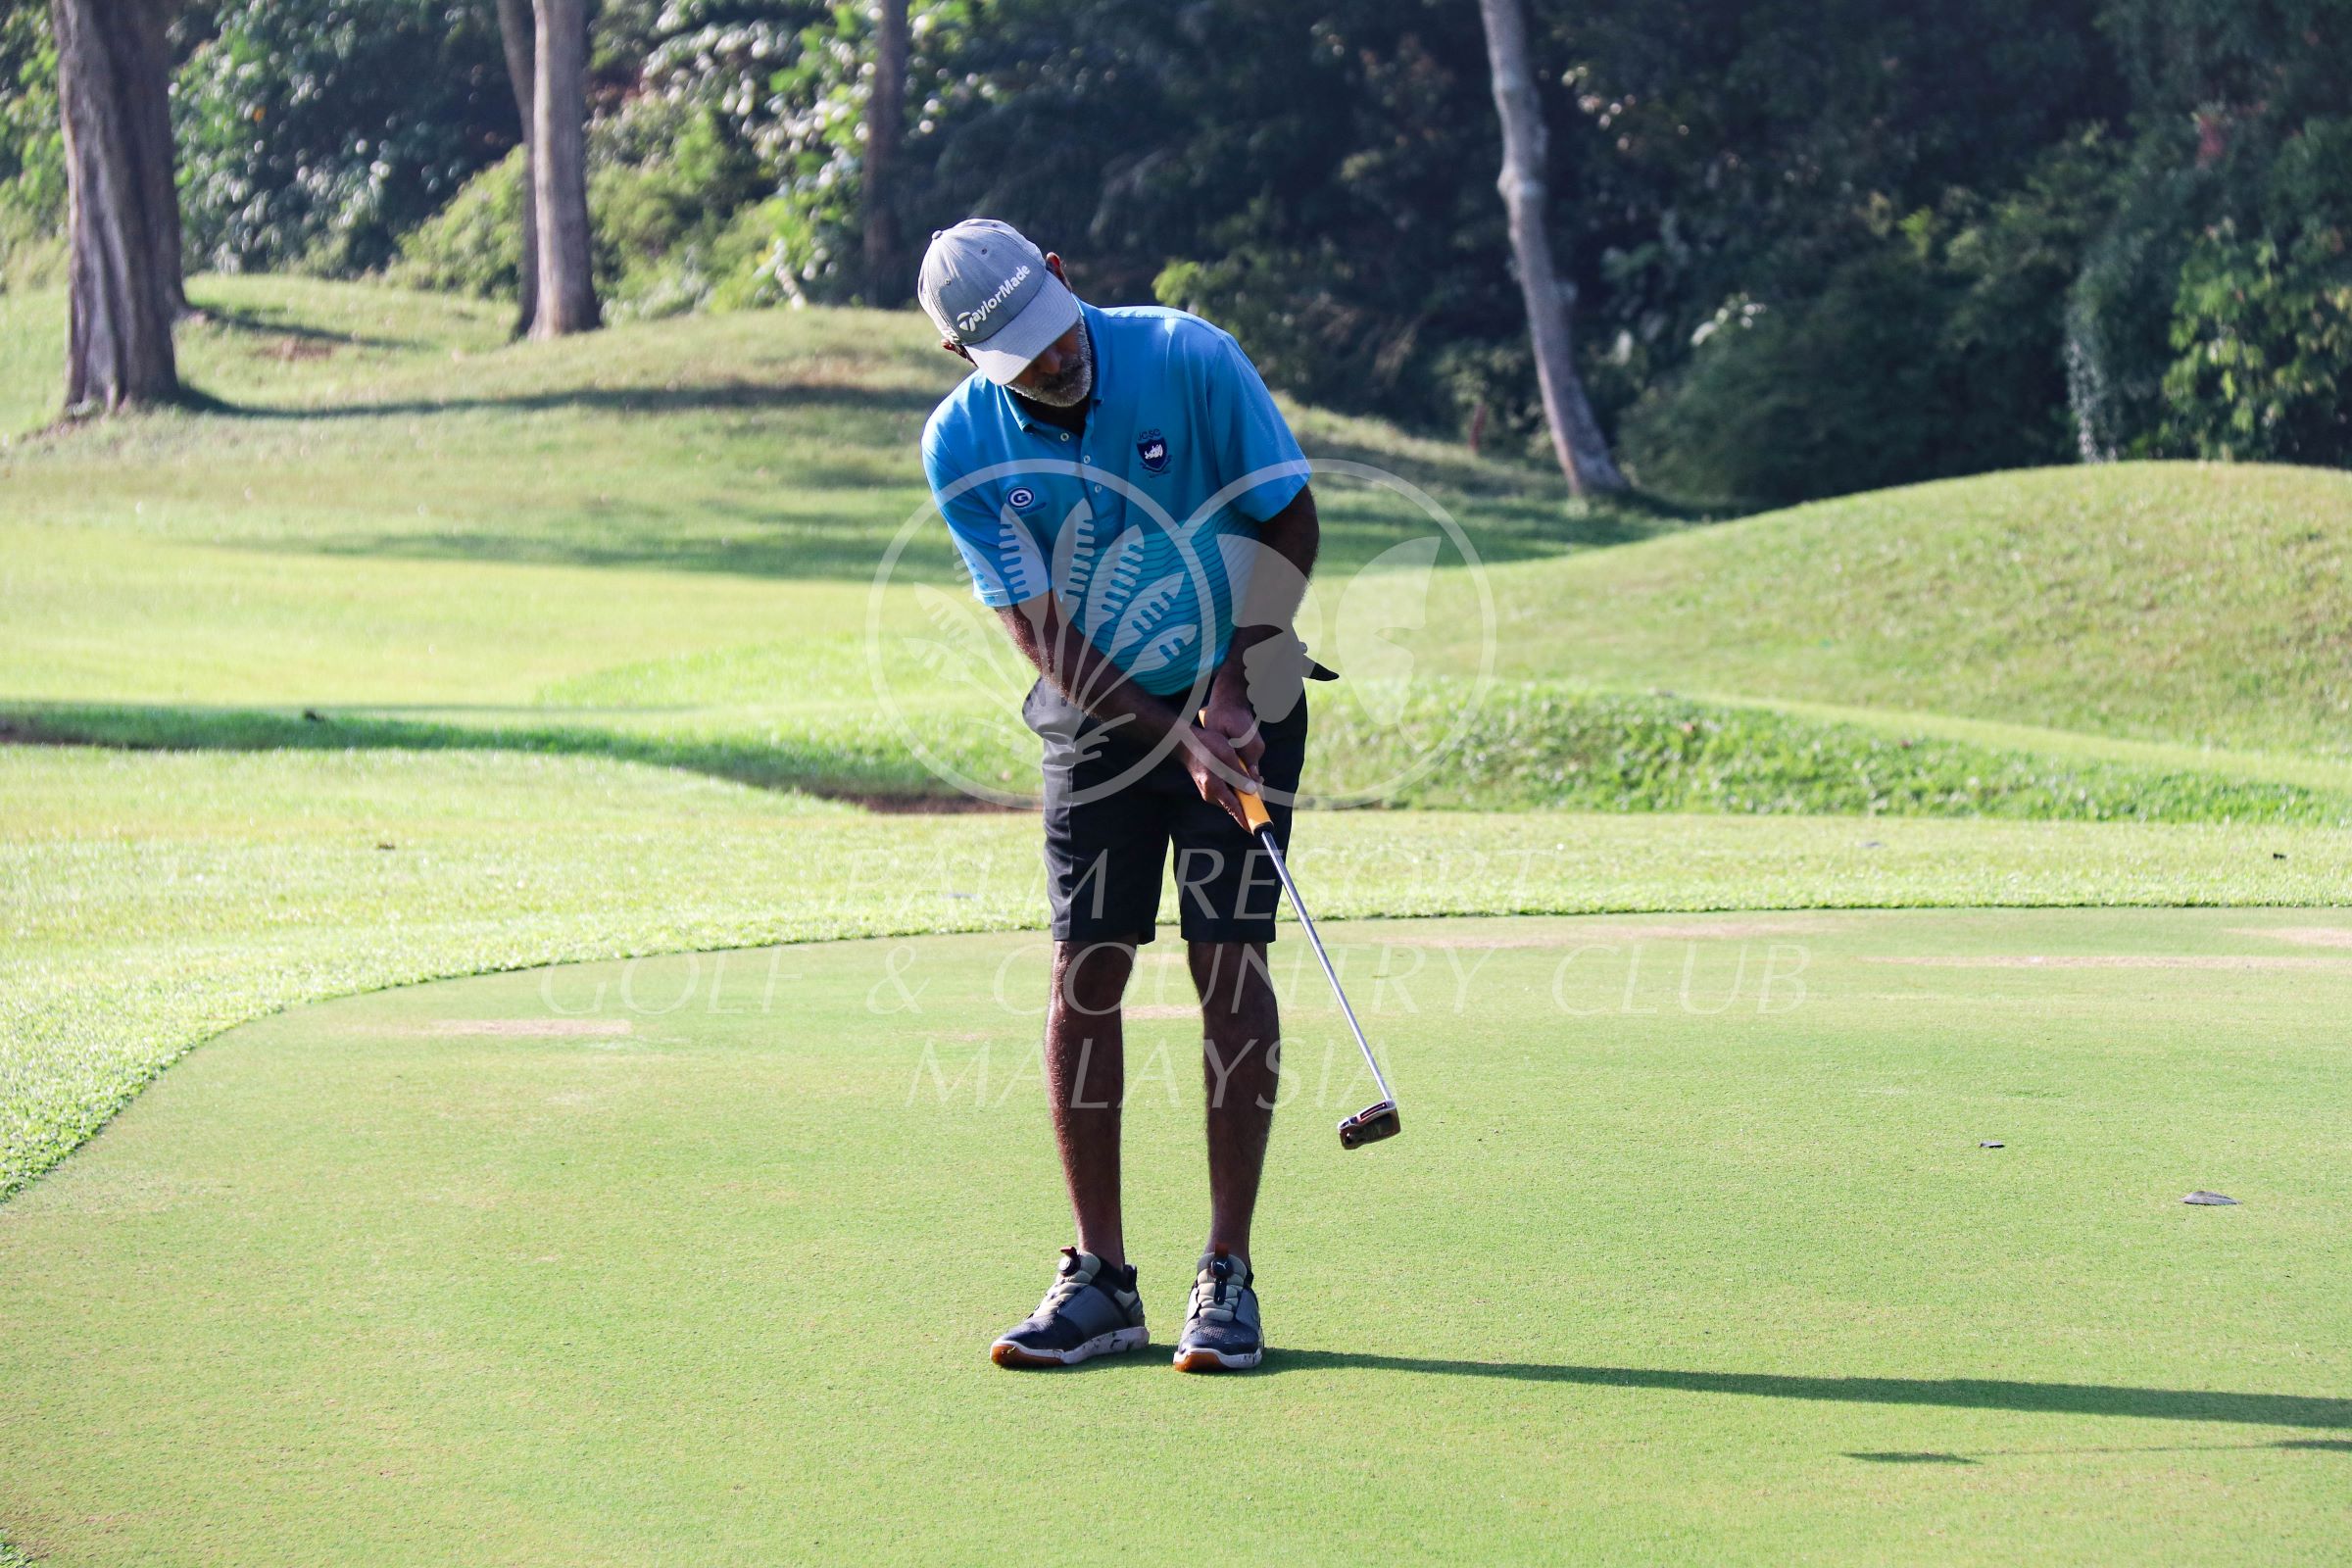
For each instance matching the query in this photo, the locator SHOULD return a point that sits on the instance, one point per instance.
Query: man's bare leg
(1242, 1067)
(1086, 1073)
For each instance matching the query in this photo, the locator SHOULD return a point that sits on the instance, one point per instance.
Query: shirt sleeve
(1253, 440)
(996, 549)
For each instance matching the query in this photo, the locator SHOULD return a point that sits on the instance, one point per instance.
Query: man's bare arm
(1266, 610)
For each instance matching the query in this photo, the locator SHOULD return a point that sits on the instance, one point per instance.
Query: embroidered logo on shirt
(1153, 448)
(1021, 498)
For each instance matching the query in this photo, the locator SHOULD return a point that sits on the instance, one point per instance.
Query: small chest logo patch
(1153, 448)
(1021, 498)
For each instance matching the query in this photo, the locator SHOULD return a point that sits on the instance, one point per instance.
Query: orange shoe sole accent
(1014, 1356)
(1203, 1361)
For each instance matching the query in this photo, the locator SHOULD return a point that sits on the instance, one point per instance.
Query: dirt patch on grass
(1734, 930)
(2302, 936)
(2118, 960)
(917, 805)
(13, 732)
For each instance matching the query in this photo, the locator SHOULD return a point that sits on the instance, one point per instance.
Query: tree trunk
(560, 170)
(884, 127)
(122, 297)
(152, 108)
(514, 32)
(1584, 453)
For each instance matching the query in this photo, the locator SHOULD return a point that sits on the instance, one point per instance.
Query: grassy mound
(2170, 602)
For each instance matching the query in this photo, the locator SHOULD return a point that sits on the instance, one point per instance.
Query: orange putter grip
(1252, 806)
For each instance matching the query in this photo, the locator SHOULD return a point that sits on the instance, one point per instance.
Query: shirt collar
(1096, 336)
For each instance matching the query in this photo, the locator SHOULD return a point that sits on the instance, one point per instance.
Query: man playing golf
(1112, 476)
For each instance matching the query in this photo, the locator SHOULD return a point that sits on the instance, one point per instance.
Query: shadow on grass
(729, 534)
(707, 397)
(1965, 1394)
(878, 778)
(1508, 516)
(264, 325)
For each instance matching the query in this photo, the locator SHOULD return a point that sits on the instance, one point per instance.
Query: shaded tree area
(2214, 313)
(1811, 247)
(314, 133)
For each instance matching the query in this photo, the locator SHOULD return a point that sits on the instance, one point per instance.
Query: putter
(1374, 1122)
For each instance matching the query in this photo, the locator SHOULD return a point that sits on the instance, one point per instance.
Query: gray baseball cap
(986, 287)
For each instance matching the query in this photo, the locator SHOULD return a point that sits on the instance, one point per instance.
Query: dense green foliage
(2211, 316)
(33, 167)
(1816, 247)
(311, 135)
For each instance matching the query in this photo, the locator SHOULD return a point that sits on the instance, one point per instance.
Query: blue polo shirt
(1135, 521)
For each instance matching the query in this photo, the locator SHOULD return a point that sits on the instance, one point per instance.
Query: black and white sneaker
(1221, 1332)
(1092, 1310)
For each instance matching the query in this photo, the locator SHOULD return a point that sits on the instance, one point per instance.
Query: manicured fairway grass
(149, 901)
(1669, 1262)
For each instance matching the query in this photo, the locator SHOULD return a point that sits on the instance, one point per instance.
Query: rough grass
(1688, 1252)
(666, 530)
(1527, 745)
(775, 444)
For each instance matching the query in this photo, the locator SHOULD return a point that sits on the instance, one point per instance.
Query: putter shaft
(1256, 809)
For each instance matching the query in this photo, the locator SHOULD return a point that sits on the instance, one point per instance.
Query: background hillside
(659, 543)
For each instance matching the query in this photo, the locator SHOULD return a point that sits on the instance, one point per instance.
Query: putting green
(1689, 1250)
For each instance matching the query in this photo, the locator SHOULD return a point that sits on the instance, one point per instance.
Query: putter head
(1370, 1125)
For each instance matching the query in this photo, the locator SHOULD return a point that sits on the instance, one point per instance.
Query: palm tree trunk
(1576, 436)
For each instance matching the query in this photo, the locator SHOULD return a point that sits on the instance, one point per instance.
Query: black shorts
(1106, 849)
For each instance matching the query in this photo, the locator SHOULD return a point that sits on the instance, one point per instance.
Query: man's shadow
(1968, 1394)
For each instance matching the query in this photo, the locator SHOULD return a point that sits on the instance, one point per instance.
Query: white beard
(1076, 384)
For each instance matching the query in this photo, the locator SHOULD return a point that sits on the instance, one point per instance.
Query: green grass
(153, 899)
(786, 444)
(1641, 1280)
(32, 367)
(584, 628)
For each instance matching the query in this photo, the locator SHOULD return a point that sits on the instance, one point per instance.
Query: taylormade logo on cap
(965, 323)
(989, 291)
